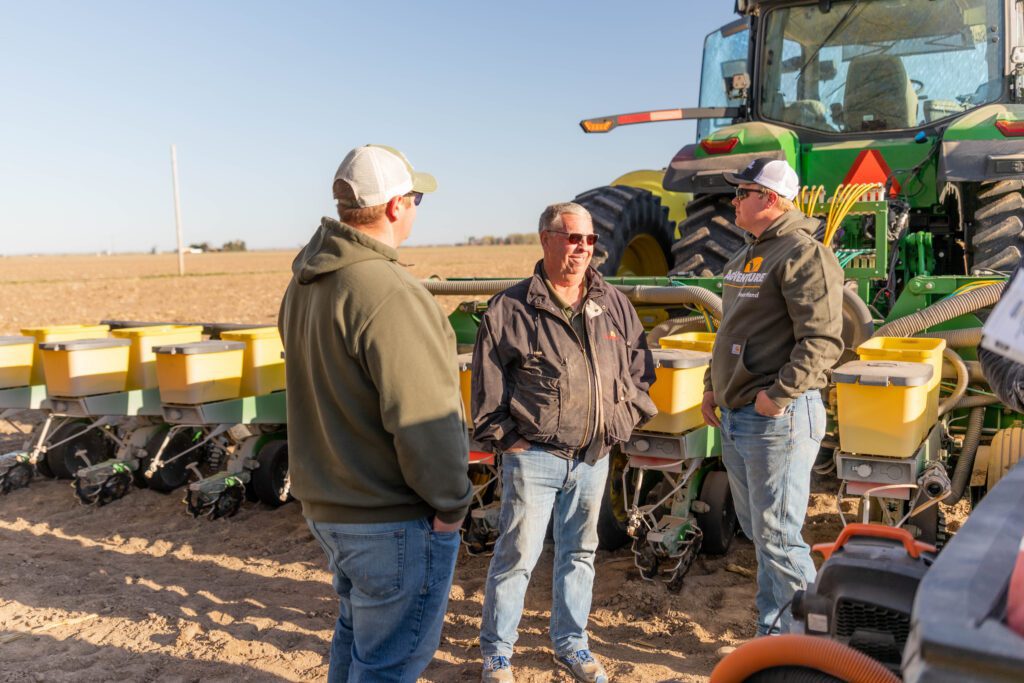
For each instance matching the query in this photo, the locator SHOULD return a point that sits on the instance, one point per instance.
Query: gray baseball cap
(376, 173)
(775, 174)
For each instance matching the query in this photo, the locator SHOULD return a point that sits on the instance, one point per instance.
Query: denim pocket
(748, 422)
(372, 562)
(815, 416)
(442, 552)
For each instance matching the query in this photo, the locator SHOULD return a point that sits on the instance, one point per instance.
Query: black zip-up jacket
(532, 377)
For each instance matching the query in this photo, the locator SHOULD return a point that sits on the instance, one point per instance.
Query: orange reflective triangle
(870, 167)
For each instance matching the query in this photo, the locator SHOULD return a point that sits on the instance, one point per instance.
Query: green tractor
(922, 96)
(923, 100)
(902, 119)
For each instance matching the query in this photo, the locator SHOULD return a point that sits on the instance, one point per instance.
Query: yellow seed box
(678, 390)
(85, 367)
(16, 361)
(910, 350)
(690, 341)
(465, 382)
(53, 333)
(141, 359)
(262, 364)
(199, 372)
(884, 406)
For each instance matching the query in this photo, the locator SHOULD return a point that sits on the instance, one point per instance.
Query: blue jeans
(769, 462)
(392, 580)
(535, 482)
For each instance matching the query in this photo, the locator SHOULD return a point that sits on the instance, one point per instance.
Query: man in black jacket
(561, 372)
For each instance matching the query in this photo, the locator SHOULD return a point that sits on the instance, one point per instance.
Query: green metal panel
(703, 442)
(127, 403)
(980, 123)
(756, 137)
(829, 163)
(264, 409)
(24, 398)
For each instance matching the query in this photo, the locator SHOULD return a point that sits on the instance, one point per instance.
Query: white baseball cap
(775, 174)
(376, 173)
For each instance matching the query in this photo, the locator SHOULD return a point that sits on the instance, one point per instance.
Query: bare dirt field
(139, 591)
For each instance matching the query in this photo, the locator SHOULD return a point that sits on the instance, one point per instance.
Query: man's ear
(392, 208)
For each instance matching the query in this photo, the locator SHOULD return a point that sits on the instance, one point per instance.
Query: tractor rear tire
(998, 227)
(63, 461)
(635, 234)
(719, 523)
(708, 237)
(268, 479)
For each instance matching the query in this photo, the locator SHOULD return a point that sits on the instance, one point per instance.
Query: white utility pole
(177, 211)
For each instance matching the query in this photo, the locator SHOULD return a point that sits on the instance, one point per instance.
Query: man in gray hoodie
(377, 444)
(780, 334)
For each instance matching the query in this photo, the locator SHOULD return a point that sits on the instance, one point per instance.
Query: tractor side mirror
(731, 70)
(736, 87)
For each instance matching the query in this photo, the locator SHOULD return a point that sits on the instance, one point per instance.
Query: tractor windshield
(878, 65)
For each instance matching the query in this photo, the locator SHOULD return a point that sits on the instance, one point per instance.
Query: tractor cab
(861, 66)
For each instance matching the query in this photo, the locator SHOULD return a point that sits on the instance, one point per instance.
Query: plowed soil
(140, 591)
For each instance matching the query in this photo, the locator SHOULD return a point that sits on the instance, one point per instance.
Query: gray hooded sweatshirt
(782, 323)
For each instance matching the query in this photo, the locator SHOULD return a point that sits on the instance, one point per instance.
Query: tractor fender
(694, 169)
(973, 149)
(653, 182)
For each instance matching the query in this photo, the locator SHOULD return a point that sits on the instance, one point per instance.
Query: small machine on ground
(681, 503)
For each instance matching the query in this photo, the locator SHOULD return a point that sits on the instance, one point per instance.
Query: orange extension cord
(821, 654)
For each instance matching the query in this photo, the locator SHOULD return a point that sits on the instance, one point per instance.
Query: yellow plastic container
(466, 382)
(85, 367)
(910, 350)
(199, 372)
(883, 406)
(262, 363)
(16, 361)
(53, 333)
(141, 359)
(690, 341)
(677, 390)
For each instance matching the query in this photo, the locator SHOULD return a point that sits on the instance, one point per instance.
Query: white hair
(551, 218)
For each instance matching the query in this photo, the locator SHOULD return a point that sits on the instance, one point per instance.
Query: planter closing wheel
(719, 522)
(83, 449)
(269, 480)
(173, 471)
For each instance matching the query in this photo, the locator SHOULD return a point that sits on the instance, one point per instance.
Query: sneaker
(497, 669)
(583, 667)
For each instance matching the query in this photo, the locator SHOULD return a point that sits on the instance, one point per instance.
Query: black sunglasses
(417, 197)
(742, 192)
(577, 237)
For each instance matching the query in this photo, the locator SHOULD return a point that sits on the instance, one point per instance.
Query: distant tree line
(513, 238)
(233, 245)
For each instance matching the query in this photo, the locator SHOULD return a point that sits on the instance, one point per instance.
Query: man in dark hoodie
(376, 434)
(780, 334)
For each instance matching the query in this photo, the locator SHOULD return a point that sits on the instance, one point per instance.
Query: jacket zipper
(592, 375)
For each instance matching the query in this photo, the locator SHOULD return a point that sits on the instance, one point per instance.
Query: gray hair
(551, 219)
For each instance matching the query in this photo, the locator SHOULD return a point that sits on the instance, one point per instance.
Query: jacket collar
(538, 296)
(791, 221)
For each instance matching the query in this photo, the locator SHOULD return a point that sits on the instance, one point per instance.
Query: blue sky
(263, 99)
